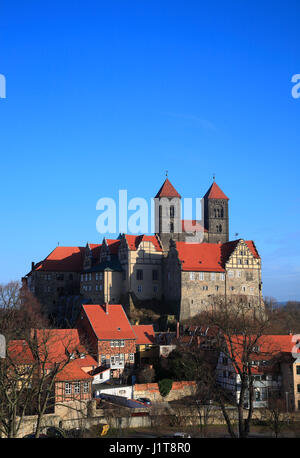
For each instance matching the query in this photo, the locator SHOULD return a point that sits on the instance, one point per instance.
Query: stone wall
(151, 390)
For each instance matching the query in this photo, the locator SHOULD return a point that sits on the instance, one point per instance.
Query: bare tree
(33, 364)
(242, 317)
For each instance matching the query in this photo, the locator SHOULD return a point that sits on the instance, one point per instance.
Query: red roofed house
(62, 348)
(275, 367)
(197, 272)
(146, 348)
(111, 338)
(56, 276)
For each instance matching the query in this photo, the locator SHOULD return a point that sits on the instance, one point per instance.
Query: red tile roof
(63, 259)
(109, 326)
(54, 344)
(133, 241)
(19, 352)
(208, 257)
(74, 371)
(270, 348)
(144, 333)
(215, 192)
(167, 190)
(200, 256)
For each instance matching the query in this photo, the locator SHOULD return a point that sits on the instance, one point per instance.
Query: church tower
(167, 205)
(216, 217)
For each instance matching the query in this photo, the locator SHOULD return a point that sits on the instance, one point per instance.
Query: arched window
(172, 211)
(222, 213)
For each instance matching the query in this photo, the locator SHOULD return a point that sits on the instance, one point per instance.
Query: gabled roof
(95, 249)
(167, 190)
(134, 241)
(208, 257)
(62, 259)
(113, 245)
(112, 325)
(74, 370)
(144, 333)
(215, 192)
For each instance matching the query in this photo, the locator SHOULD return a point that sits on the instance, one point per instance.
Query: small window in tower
(172, 211)
(171, 227)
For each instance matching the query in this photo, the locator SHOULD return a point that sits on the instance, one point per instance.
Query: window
(90, 276)
(131, 357)
(298, 388)
(59, 277)
(86, 277)
(244, 289)
(112, 343)
(217, 288)
(86, 387)
(298, 405)
(239, 274)
(212, 276)
(77, 387)
(205, 288)
(155, 289)
(298, 370)
(68, 388)
(257, 395)
(240, 261)
(230, 273)
(122, 343)
(171, 227)
(139, 274)
(222, 277)
(139, 288)
(201, 276)
(231, 288)
(81, 277)
(154, 275)
(192, 275)
(246, 261)
(103, 358)
(172, 211)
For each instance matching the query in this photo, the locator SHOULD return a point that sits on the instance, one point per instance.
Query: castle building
(183, 266)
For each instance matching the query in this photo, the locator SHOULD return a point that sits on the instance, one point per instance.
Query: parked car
(55, 432)
(32, 436)
(185, 435)
(145, 401)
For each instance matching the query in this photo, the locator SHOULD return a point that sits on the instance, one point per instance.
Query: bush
(165, 386)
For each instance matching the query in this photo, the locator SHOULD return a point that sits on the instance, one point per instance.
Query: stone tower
(167, 205)
(216, 218)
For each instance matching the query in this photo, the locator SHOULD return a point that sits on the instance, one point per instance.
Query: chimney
(32, 265)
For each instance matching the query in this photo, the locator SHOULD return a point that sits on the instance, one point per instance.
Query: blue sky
(103, 96)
